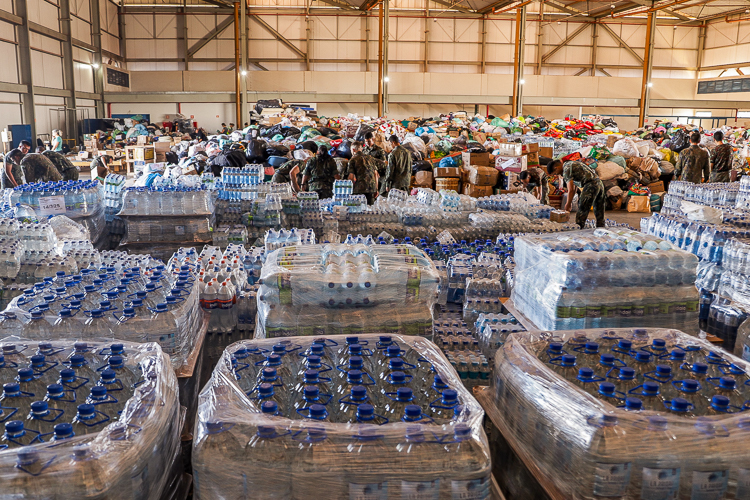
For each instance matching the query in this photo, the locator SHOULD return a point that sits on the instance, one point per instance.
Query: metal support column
(307, 42)
(594, 45)
(366, 18)
(519, 54)
(701, 46)
(540, 39)
(182, 34)
(237, 76)
(484, 44)
(426, 34)
(97, 67)
(380, 60)
(244, 116)
(648, 61)
(24, 66)
(386, 36)
(69, 83)
(121, 31)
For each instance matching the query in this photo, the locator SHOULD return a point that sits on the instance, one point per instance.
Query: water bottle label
(593, 311)
(578, 312)
(709, 485)
(611, 480)
(471, 489)
(660, 484)
(743, 485)
(420, 490)
(638, 311)
(369, 491)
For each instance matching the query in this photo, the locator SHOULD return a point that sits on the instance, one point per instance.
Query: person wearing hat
(319, 174)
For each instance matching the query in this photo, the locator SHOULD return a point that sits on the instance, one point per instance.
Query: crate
(447, 183)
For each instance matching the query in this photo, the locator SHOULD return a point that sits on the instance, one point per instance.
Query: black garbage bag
(272, 131)
(256, 151)
(325, 131)
(475, 147)
(277, 150)
(679, 141)
(421, 166)
(609, 122)
(344, 150)
(361, 131)
(289, 131)
(267, 103)
(172, 158)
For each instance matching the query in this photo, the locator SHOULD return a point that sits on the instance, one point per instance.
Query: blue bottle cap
(270, 407)
(700, 368)
(98, 391)
(117, 348)
(396, 364)
(439, 382)
(273, 360)
(54, 390)
(352, 340)
(663, 370)
(279, 349)
(607, 359)
(404, 394)
(86, 410)
(365, 411)
(317, 349)
(39, 406)
(727, 383)
(67, 375)
(313, 361)
(354, 376)
(609, 420)
(568, 360)
(555, 347)
(633, 404)
(720, 403)
(398, 377)
(385, 339)
(37, 360)
(592, 348)
(63, 430)
(658, 343)
(115, 361)
(356, 362)
(25, 374)
(650, 388)
(689, 385)
(412, 411)
(643, 357)
(607, 389)
(311, 392)
(317, 412)
(359, 392)
(393, 351)
(265, 389)
(627, 373)
(269, 373)
(14, 427)
(310, 375)
(450, 396)
(77, 360)
(585, 374)
(625, 345)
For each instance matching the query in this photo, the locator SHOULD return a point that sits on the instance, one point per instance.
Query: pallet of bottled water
(624, 413)
(166, 201)
(346, 288)
(367, 417)
(87, 419)
(604, 278)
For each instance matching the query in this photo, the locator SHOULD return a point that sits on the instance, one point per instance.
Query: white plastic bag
(701, 213)
(625, 148)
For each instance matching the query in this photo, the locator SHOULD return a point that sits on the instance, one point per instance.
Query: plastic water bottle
(650, 396)
(442, 410)
(705, 474)
(57, 398)
(16, 436)
(690, 391)
(727, 387)
(62, 431)
(587, 380)
(122, 373)
(656, 473)
(608, 393)
(31, 385)
(313, 464)
(465, 463)
(265, 392)
(625, 381)
(270, 450)
(366, 415)
(566, 367)
(88, 420)
(105, 403)
(348, 405)
(395, 403)
(42, 419)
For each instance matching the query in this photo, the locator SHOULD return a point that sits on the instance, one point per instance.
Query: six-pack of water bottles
(374, 416)
(624, 413)
(604, 278)
(87, 420)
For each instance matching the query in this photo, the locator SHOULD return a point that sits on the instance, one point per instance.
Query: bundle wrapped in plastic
(101, 455)
(337, 439)
(340, 288)
(607, 278)
(622, 413)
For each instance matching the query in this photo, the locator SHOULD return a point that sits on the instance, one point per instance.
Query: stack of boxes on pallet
(478, 177)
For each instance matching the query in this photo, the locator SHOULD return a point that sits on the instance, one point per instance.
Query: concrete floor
(623, 216)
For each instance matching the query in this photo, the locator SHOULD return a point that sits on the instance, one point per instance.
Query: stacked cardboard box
(531, 152)
(479, 178)
(447, 178)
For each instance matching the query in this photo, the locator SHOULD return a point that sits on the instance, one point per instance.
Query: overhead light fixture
(649, 85)
(386, 79)
(95, 66)
(521, 81)
(244, 73)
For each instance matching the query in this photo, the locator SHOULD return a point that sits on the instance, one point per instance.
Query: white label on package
(709, 485)
(660, 484)
(508, 163)
(743, 485)
(611, 480)
(420, 490)
(371, 491)
(51, 205)
(471, 489)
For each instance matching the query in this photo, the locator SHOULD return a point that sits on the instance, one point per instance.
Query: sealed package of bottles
(87, 420)
(624, 413)
(604, 278)
(130, 297)
(372, 417)
(346, 289)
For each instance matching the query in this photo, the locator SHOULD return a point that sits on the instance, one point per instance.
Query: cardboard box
(547, 152)
(483, 176)
(559, 216)
(510, 149)
(656, 187)
(477, 191)
(511, 163)
(476, 159)
(453, 133)
(611, 140)
(464, 175)
(442, 172)
(532, 160)
(480, 137)
(448, 183)
(423, 179)
(532, 147)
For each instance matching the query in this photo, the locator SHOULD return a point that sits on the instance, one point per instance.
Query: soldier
(68, 171)
(319, 174)
(693, 164)
(398, 175)
(100, 167)
(363, 171)
(576, 174)
(37, 168)
(289, 172)
(536, 178)
(721, 159)
(12, 173)
(372, 149)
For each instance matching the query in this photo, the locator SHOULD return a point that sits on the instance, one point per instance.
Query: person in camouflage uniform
(289, 172)
(535, 177)
(398, 174)
(576, 174)
(372, 149)
(68, 171)
(363, 171)
(692, 165)
(37, 168)
(12, 173)
(721, 159)
(319, 174)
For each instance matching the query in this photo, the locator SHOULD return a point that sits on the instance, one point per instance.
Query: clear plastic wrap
(604, 278)
(581, 446)
(130, 458)
(239, 451)
(352, 289)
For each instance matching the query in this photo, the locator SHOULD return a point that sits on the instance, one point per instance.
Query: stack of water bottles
(87, 420)
(340, 288)
(492, 331)
(166, 201)
(113, 191)
(604, 278)
(283, 238)
(624, 413)
(339, 417)
(716, 194)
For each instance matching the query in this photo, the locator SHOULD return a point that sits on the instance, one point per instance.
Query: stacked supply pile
(351, 289)
(510, 161)
(390, 421)
(161, 219)
(604, 278)
(480, 176)
(88, 420)
(78, 200)
(114, 184)
(623, 413)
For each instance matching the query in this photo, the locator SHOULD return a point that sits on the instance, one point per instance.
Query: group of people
(23, 167)
(373, 171)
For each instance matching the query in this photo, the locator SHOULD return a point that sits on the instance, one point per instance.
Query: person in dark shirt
(721, 159)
